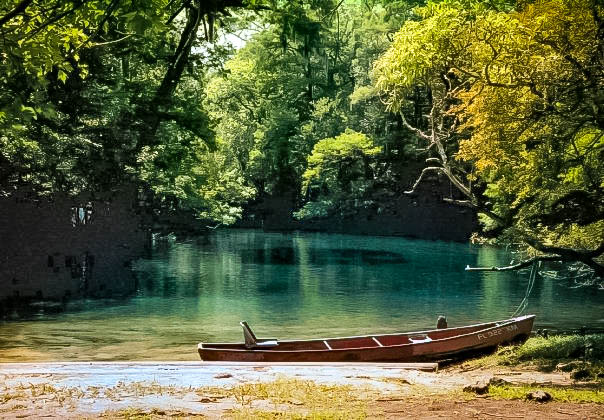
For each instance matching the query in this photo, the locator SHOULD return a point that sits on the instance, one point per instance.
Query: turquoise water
(288, 286)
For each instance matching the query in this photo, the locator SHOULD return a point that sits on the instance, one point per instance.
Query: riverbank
(557, 377)
(560, 377)
(218, 390)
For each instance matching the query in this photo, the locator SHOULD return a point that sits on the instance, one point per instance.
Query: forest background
(210, 105)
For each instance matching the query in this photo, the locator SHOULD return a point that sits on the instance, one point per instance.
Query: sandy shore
(190, 389)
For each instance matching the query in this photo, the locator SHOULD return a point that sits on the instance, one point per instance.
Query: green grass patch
(153, 414)
(297, 392)
(128, 414)
(296, 399)
(571, 395)
(582, 355)
(244, 414)
(590, 347)
(28, 391)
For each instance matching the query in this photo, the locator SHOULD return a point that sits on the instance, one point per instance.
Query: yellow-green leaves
(339, 169)
(421, 51)
(328, 154)
(62, 76)
(525, 90)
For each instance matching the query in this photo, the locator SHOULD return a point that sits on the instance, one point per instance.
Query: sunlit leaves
(532, 120)
(201, 180)
(339, 168)
(421, 52)
(263, 106)
(525, 96)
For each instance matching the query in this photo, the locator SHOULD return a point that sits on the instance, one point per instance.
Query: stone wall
(61, 247)
(424, 216)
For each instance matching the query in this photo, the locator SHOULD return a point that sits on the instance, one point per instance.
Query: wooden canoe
(402, 347)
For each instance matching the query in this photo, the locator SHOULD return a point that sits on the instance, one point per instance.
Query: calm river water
(288, 286)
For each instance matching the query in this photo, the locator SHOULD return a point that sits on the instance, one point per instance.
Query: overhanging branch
(569, 254)
(513, 267)
(560, 254)
(417, 131)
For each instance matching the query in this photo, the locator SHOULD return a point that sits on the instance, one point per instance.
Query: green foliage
(201, 180)
(42, 45)
(74, 113)
(50, 101)
(517, 101)
(421, 52)
(339, 169)
(278, 97)
(575, 352)
(562, 347)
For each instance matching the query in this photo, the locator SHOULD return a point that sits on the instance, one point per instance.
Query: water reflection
(319, 256)
(291, 285)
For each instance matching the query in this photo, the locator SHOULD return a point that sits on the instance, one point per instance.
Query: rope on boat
(529, 288)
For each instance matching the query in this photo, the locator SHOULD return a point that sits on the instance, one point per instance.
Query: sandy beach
(252, 390)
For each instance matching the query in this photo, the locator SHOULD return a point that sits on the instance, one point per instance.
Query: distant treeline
(208, 104)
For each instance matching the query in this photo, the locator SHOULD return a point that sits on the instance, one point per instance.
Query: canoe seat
(251, 342)
(419, 339)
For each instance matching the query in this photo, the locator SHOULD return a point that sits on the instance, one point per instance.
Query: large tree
(270, 110)
(98, 92)
(515, 115)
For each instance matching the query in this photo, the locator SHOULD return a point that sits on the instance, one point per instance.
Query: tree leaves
(340, 169)
(521, 95)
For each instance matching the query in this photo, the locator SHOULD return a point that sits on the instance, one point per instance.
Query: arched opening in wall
(82, 214)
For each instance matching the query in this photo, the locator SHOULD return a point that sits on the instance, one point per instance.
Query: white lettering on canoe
(496, 332)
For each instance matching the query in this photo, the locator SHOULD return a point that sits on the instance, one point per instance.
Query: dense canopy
(210, 104)
(516, 115)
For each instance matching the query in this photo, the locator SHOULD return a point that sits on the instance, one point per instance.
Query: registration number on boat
(498, 331)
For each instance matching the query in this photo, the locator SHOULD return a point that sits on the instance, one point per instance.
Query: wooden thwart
(378, 342)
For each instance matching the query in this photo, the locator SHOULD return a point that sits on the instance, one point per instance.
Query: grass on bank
(570, 395)
(282, 399)
(153, 414)
(315, 401)
(297, 399)
(583, 356)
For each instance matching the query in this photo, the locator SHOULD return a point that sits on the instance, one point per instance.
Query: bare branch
(332, 10)
(466, 72)
(569, 254)
(115, 41)
(518, 266)
(565, 251)
(417, 131)
(421, 177)
(572, 60)
(108, 12)
(530, 85)
(462, 203)
(177, 12)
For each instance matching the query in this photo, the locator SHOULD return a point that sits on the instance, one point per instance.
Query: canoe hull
(438, 344)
